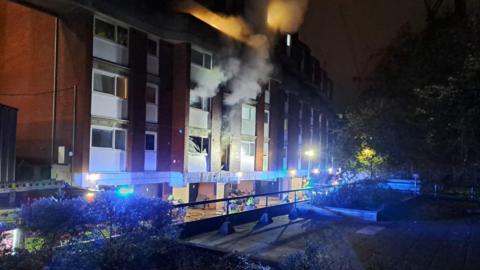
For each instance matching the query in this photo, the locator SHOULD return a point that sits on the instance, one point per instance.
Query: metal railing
(223, 207)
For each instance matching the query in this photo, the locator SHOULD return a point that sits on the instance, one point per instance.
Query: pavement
(428, 234)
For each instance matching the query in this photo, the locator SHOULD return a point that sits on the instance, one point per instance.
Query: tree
(420, 107)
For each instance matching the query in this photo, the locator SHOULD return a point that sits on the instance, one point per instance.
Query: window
(248, 112)
(122, 87)
(109, 138)
(120, 139)
(289, 40)
(150, 142)
(201, 59)
(104, 30)
(151, 93)
(103, 83)
(199, 102)
(110, 83)
(111, 32)
(152, 47)
(248, 149)
(102, 138)
(266, 117)
(198, 145)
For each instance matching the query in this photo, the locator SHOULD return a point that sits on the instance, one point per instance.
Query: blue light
(124, 191)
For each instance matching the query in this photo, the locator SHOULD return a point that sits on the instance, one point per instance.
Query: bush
(363, 195)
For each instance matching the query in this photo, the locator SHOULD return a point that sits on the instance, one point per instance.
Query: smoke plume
(286, 16)
(244, 73)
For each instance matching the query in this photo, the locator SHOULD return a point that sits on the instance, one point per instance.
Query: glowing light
(124, 191)
(286, 15)
(289, 40)
(239, 174)
(90, 196)
(316, 171)
(335, 183)
(310, 153)
(234, 27)
(330, 170)
(93, 177)
(293, 172)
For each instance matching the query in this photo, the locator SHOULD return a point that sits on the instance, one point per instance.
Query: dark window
(266, 117)
(122, 36)
(195, 102)
(120, 139)
(102, 138)
(197, 57)
(151, 94)
(152, 47)
(207, 61)
(104, 30)
(103, 83)
(150, 142)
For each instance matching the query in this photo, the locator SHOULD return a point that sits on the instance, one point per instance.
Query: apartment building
(106, 98)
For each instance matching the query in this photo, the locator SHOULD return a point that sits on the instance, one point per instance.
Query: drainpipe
(54, 96)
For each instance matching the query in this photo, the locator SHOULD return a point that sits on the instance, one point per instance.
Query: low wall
(361, 214)
(211, 224)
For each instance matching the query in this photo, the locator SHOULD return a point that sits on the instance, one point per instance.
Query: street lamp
(310, 154)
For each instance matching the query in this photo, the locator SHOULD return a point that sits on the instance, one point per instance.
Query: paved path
(420, 239)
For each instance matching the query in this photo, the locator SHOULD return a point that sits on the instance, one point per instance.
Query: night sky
(343, 34)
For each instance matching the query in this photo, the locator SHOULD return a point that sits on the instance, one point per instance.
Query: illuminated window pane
(104, 30)
(102, 138)
(122, 87)
(120, 139)
(122, 36)
(245, 112)
(103, 83)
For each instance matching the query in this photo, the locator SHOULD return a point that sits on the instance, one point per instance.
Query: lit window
(122, 88)
(120, 139)
(151, 93)
(152, 47)
(150, 143)
(289, 40)
(102, 138)
(248, 112)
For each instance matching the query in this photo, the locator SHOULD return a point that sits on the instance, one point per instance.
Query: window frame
(203, 53)
(114, 130)
(202, 139)
(157, 47)
(156, 87)
(109, 74)
(250, 152)
(154, 134)
(115, 35)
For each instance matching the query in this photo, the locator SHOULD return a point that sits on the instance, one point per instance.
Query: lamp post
(310, 154)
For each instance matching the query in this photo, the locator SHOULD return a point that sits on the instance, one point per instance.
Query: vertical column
(260, 114)
(181, 101)
(277, 115)
(165, 107)
(216, 127)
(75, 69)
(136, 101)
